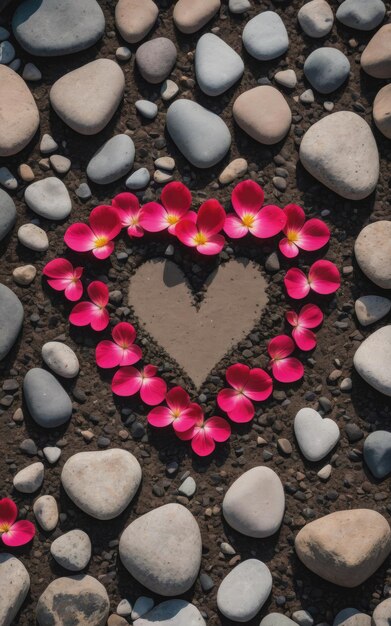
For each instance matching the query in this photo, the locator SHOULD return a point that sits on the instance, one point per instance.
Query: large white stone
(19, 117)
(265, 36)
(15, 583)
(372, 360)
(217, 65)
(49, 198)
(60, 358)
(373, 252)
(244, 591)
(371, 309)
(172, 613)
(315, 435)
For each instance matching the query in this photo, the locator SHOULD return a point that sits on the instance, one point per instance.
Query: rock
(83, 191)
(116, 620)
(165, 163)
(345, 547)
(7, 52)
(377, 453)
(382, 614)
(235, 169)
(31, 72)
(323, 152)
(4, 33)
(26, 173)
(48, 28)
(48, 145)
(173, 613)
(351, 617)
(112, 161)
(49, 198)
(7, 214)
(72, 550)
(47, 401)
(254, 504)
(265, 36)
(371, 309)
(239, 6)
(30, 478)
(382, 111)
(87, 98)
(60, 164)
(191, 16)
(217, 65)
(7, 179)
(19, 117)
(372, 360)
(52, 454)
(11, 319)
(102, 483)
(123, 53)
(244, 590)
(286, 78)
(155, 59)
(315, 435)
(15, 585)
(326, 69)
(376, 58)
(307, 97)
(46, 512)
(135, 18)
(201, 136)
(263, 113)
(168, 90)
(188, 487)
(61, 359)
(373, 252)
(139, 179)
(78, 600)
(162, 550)
(124, 608)
(147, 109)
(276, 619)
(325, 472)
(24, 275)
(142, 605)
(316, 18)
(33, 237)
(361, 14)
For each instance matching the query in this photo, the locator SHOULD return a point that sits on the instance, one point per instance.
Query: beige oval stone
(190, 16)
(382, 110)
(135, 18)
(235, 169)
(373, 252)
(345, 547)
(19, 117)
(376, 58)
(263, 113)
(87, 98)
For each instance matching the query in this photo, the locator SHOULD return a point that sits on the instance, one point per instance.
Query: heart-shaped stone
(315, 435)
(198, 337)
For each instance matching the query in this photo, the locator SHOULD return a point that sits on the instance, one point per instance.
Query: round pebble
(61, 359)
(326, 69)
(244, 590)
(265, 36)
(72, 550)
(49, 198)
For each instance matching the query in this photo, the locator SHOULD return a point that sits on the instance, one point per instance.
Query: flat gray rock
(265, 36)
(315, 435)
(373, 252)
(11, 319)
(239, 6)
(60, 358)
(155, 59)
(162, 549)
(49, 28)
(15, 584)
(30, 478)
(316, 18)
(7, 52)
(361, 14)
(72, 550)
(172, 613)
(139, 179)
(371, 309)
(372, 360)
(277, 619)
(112, 161)
(244, 591)
(377, 453)
(326, 69)
(147, 109)
(201, 136)
(49, 198)
(7, 214)
(47, 401)
(351, 617)
(217, 65)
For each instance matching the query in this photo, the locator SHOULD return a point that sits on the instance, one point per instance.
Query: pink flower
(247, 199)
(64, 277)
(201, 230)
(104, 225)
(204, 434)
(129, 211)
(310, 316)
(180, 412)
(309, 236)
(93, 313)
(14, 533)
(285, 368)
(128, 381)
(121, 351)
(176, 202)
(323, 278)
(248, 384)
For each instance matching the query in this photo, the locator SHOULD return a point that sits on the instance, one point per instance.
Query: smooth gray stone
(361, 14)
(11, 319)
(377, 453)
(277, 619)
(265, 36)
(47, 401)
(244, 590)
(49, 198)
(326, 69)
(155, 59)
(72, 550)
(201, 136)
(381, 616)
(15, 584)
(7, 214)
(49, 28)
(370, 309)
(7, 52)
(217, 65)
(147, 109)
(172, 613)
(139, 179)
(351, 617)
(372, 360)
(112, 161)
(316, 435)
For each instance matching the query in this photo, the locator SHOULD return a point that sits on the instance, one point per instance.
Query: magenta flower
(179, 412)
(104, 225)
(205, 433)
(309, 236)
(285, 368)
(309, 317)
(176, 202)
(129, 211)
(202, 230)
(14, 533)
(121, 351)
(323, 278)
(247, 199)
(248, 384)
(64, 277)
(92, 313)
(127, 381)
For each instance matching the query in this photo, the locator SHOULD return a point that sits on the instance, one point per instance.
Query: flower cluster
(14, 533)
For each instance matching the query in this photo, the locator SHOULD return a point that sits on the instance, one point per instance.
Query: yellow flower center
(4, 528)
(101, 241)
(200, 239)
(176, 413)
(248, 220)
(134, 220)
(292, 236)
(172, 219)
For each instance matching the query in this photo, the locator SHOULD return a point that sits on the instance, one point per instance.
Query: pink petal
(153, 390)
(295, 218)
(8, 511)
(324, 277)
(188, 418)
(82, 313)
(210, 218)
(153, 217)
(124, 334)
(135, 231)
(131, 355)
(187, 434)
(100, 319)
(242, 410)
(108, 354)
(98, 292)
(227, 399)
(105, 222)
(296, 283)
(288, 370)
(58, 268)
(237, 375)
(126, 381)
(59, 284)
(19, 534)
(234, 227)
(218, 428)
(259, 385)
(310, 316)
(247, 197)
(280, 347)
(160, 417)
(186, 231)
(214, 245)
(202, 443)
(176, 197)
(103, 252)
(305, 339)
(79, 237)
(288, 248)
(292, 318)
(314, 235)
(268, 222)
(149, 370)
(178, 399)
(127, 203)
(74, 291)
